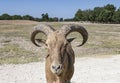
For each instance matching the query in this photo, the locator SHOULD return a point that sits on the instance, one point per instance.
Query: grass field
(16, 47)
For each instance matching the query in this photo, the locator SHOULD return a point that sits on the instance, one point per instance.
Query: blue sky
(55, 8)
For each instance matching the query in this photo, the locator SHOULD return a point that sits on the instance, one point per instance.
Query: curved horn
(76, 28)
(46, 29)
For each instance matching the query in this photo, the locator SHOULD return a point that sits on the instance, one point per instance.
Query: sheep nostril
(56, 67)
(53, 67)
(59, 67)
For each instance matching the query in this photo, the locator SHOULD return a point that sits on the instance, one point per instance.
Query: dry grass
(16, 47)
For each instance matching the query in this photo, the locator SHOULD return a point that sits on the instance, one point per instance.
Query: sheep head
(57, 43)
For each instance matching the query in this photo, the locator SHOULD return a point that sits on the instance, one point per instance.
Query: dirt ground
(87, 70)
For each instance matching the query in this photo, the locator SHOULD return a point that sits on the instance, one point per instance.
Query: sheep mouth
(57, 72)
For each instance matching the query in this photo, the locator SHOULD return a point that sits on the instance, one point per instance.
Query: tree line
(107, 14)
(45, 17)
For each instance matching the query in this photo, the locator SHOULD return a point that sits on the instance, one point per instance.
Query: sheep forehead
(56, 38)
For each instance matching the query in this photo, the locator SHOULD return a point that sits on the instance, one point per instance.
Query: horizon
(54, 8)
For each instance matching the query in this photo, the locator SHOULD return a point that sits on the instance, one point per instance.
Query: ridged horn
(67, 29)
(42, 28)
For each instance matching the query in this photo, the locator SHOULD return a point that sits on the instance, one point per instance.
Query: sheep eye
(46, 44)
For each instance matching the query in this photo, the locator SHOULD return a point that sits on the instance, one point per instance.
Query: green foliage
(69, 19)
(15, 17)
(45, 17)
(116, 16)
(110, 7)
(5, 16)
(106, 14)
(55, 19)
(28, 17)
(79, 15)
(97, 11)
(61, 19)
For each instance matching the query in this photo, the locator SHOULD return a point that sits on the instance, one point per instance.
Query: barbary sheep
(59, 66)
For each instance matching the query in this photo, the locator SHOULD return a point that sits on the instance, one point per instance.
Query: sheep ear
(70, 40)
(40, 41)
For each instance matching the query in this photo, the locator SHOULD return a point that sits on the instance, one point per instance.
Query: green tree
(37, 19)
(69, 19)
(96, 13)
(79, 15)
(91, 16)
(0, 17)
(55, 19)
(86, 14)
(109, 9)
(5, 16)
(106, 14)
(28, 17)
(61, 19)
(45, 17)
(16, 17)
(116, 16)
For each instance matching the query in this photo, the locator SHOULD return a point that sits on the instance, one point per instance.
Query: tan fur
(56, 42)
